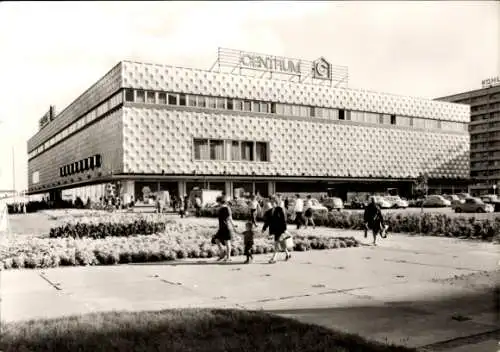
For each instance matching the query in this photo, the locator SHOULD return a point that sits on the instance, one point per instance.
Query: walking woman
(275, 220)
(309, 212)
(225, 233)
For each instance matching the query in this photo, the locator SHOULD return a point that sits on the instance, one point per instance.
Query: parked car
(416, 203)
(382, 202)
(355, 204)
(397, 202)
(492, 199)
(436, 201)
(316, 206)
(474, 205)
(463, 196)
(332, 203)
(454, 199)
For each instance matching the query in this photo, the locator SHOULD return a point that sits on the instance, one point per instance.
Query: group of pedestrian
(303, 212)
(274, 221)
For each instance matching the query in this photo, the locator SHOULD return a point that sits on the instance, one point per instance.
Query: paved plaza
(410, 290)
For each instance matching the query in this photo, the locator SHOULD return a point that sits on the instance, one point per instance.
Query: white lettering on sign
(490, 82)
(270, 63)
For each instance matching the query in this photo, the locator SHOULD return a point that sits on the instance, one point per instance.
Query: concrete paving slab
(397, 325)
(19, 281)
(484, 346)
(311, 301)
(41, 305)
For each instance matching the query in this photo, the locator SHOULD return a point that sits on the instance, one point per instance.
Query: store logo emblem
(322, 69)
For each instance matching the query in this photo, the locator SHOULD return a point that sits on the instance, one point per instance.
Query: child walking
(248, 236)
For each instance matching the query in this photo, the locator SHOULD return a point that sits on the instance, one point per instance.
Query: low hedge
(109, 229)
(417, 223)
(177, 242)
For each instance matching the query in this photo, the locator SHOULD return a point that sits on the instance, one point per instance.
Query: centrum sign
(270, 63)
(490, 82)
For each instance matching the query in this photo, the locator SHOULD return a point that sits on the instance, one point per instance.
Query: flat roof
(474, 92)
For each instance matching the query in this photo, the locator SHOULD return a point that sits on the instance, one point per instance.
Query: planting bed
(432, 224)
(98, 241)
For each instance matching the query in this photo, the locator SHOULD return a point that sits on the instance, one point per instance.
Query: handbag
(286, 241)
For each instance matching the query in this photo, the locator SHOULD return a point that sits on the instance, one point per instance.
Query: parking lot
(445, 210)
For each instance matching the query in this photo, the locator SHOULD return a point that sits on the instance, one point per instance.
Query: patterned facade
(145, 120)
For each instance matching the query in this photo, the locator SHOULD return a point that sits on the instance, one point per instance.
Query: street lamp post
(494, 189)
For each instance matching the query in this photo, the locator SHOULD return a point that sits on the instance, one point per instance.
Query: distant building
(7, 193)
(290, 126)
(484, 135)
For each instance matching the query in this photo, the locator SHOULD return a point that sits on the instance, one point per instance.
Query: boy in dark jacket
(248, 237)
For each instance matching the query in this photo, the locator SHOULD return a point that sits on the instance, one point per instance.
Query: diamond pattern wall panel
(168, 78)
(103, 137)
(101, 90)
(157, 139)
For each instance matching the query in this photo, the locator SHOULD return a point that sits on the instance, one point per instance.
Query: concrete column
(271, 187)
(229, 189)
(128, 186)
(182, 188)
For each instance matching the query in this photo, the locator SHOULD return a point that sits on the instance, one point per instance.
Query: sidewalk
(403, 291)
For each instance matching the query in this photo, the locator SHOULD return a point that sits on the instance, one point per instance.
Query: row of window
(230, 150)
(199, 101)
(484, 164)
(100, 110)
(83, 165)
(495, 96)
(485, 173)
(488, 116)
(485, 107)
(485, 155)
(179, 99)
(484, 126)
(483, 136)
(484, 145)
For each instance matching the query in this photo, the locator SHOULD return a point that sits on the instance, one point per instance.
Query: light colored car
(316, 206)
(463, 196)
(333, 203)
(436, 201)
(397, 202)
(474, 205)
(490, 198)
(382, 202)
(454, 200)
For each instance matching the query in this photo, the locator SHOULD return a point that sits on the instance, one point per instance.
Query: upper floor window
(172, 99)
(151, 97)
(261, 151)
(140, 96)
(247, 153)
(201, 151)
(162, 98)
(129, 95)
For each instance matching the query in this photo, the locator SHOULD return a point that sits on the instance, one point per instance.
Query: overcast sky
(51, 52)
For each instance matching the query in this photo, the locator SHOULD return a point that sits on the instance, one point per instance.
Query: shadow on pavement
(414, 323)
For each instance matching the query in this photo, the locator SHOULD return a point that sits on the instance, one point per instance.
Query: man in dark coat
(275, 220)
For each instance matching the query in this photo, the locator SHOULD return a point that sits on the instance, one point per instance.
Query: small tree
(422, 187)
